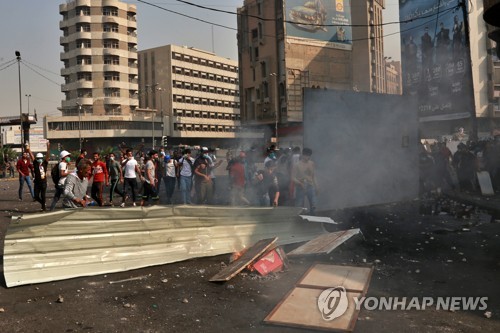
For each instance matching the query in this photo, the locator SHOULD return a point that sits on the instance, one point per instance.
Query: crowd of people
(442, 169)
(280, 178)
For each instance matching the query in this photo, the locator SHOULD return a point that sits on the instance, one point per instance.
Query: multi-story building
(196, 91)
(393, 78)
(287, 45)
(100, 73)
(492, 17)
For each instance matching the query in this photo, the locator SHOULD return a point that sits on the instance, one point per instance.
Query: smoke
(364, 147)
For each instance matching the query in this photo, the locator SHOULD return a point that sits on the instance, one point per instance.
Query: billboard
(435, 59)
(326, 22)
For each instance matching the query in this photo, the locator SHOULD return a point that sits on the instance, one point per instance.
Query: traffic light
(164, 141)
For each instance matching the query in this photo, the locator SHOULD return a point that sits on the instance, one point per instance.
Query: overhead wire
(25, 64)
(274, 36)
(43, 69)
(7, 64)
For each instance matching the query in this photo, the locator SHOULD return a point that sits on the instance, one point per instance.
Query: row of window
(100, 125)
(206, 115)
(106, 43)
(108, 76)
(204, 75)
(106, 11)
(204, 62)
(204, 128)
(205, 101)
(205, 88)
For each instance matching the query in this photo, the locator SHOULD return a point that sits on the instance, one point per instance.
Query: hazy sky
(32, 28)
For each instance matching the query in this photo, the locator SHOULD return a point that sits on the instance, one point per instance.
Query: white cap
(64, 153)
(204, 148)
(39, 155)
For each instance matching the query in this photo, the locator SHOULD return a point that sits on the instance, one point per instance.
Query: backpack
(54, 173)
(188, 160)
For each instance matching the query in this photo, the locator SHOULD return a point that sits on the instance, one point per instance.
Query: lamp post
(159, 89)
(79, 125)
(18, 57)
(28, 96)
(153, 89)
(276, 106)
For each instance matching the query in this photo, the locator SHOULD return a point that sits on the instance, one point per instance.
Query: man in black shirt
(40, 170)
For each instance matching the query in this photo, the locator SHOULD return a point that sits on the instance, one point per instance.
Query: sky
(32, 28)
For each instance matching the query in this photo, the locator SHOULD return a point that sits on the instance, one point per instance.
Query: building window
(111, 76)
(83, 11)
(112, 92)
(110, 11)
(255, 33)
(108, 27)
(111, 44)
(83, 27)
(84, 60)
(83, 43)
(84, 76)
(111, 60)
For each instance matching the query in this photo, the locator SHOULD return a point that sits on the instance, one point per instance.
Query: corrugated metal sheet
(67, 244)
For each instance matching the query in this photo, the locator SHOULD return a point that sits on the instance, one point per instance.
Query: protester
(116, 177)
(150, 180)
(10, 166)
(24, 168)
(205, 185)
(40, 165)
(130, 172)
(186, 166)
(83, 155)
(237, 176)
(268, 189)
(100, 177)
(75, 186)
(62, 172)
(304, 180)
(169, 177)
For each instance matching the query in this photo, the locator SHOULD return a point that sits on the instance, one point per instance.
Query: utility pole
(21, 127)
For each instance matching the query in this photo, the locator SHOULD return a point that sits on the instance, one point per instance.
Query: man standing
(150, 180)
(116, 175)
(186, 163)
(237, 176)
(169, 177)
(268, 185)
(130, 172)
(63, 171)
(305, 181)
(40, 171)
(24, 167)
(75, 187)
(100, 177)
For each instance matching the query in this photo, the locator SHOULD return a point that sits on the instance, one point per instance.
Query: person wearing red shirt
(237, 177)
(24, 167)
(100, 177)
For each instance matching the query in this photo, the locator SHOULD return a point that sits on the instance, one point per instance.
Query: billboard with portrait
(326, 22)
(435, 59)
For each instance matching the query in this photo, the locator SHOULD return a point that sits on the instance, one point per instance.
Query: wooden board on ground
(300, 309)
(246, 259)
(484, 179)
(324, 244)
(322, 276)
(319, 219)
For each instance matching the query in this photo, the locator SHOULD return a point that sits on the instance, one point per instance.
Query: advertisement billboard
(435, 59)
(326, 22)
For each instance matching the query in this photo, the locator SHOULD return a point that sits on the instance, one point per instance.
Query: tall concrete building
(393, 78)
(99, 41)
(195, 91)
(287, 45)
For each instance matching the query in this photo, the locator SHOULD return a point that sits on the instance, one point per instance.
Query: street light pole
(276, 106)
(28, 95)
(18, 57)
(79, 125)
(161, 111)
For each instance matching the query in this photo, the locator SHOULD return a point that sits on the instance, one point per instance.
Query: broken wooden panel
(324, 276)
(301, 306)
(324, 244)
(66, 244)
(484, 180)
(300, 309)
(319, 219)
(246, 259)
